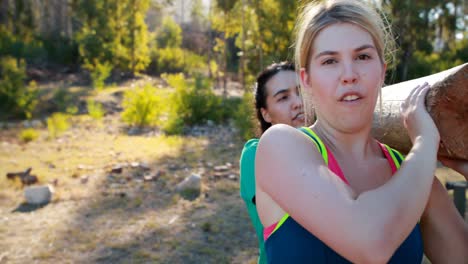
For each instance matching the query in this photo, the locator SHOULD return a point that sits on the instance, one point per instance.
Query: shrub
(57, 123)
(95, 109)
(244, 117)
(99, 73)
(61, 98)
(143, 106)
(174, 59)
(16, 98)
(193, 102)
(28, 135)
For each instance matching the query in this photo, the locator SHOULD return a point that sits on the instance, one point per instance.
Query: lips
(350, 97)
(299, 116)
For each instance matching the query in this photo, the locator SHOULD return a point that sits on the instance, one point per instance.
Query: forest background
(213, 42)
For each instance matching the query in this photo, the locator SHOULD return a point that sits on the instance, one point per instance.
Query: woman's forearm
(398, 204)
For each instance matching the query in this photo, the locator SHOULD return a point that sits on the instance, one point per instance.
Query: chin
(353, 125)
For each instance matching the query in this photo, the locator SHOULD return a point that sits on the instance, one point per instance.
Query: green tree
(138, 35)
(16, 99)
(425, 34)
(169, 35)
(113, 32)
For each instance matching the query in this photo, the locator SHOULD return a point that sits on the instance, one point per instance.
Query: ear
(304, 78)
(384, 70)
(266, 115)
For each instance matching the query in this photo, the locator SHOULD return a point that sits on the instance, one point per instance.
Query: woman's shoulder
(250, 146)
(251, 143)
(279, 134)
(281, 139)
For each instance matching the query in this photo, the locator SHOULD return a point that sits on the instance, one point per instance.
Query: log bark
(446, 102)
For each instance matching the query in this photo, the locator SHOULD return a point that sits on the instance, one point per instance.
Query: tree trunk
(447, 103)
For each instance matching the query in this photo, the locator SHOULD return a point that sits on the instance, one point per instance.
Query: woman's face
(283, 101)
(344, 76)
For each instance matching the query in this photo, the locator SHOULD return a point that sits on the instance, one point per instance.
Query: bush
(16, 98)
(244, 117)
(62, 100)
(143, 106)
(95, 110)
(99, 73)
(61, 49)
(28, 135)
(57, 123)
(193, 102)
(172, 60)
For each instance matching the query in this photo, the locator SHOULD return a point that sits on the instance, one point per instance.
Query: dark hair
(260, 91)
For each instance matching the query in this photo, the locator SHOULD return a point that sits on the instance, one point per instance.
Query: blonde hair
(316, 16)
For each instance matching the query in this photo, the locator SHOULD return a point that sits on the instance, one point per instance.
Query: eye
(329, 61)
(363, 57)
(282, 98)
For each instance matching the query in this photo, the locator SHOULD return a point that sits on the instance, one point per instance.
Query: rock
(219, 174)
(27, 124)
(10, 125)
(221, 168)
(144, 166)
(190, 187)
(84, 179)
(134, 131)
(36, 123)
(138, 181)
(117, 169)
(38, 195)
(148, 177)
(173, 219)
(172, 167)
(134, 164)
(232, 177)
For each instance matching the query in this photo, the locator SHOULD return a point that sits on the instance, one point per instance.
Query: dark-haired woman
(277, 101)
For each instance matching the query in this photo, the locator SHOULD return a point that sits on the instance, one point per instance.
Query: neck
(358, 144)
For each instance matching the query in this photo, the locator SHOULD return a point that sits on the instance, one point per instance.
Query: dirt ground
(102, 217)
(98, 216)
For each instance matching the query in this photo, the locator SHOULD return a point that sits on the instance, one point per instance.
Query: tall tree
(113, 32)
(138, 35)
(225, 6)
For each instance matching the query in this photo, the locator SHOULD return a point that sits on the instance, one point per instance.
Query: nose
(349, 74)
(297, 101)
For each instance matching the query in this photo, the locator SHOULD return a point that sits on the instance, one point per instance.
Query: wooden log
(447, 103)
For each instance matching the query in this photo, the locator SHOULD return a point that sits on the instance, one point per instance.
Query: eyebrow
(330, 52)
(281, 91)
(285, 90)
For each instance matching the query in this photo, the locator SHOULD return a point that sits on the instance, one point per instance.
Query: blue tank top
(291, 243)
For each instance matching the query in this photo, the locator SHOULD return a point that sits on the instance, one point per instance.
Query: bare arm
(445, 234)
(365, 229)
